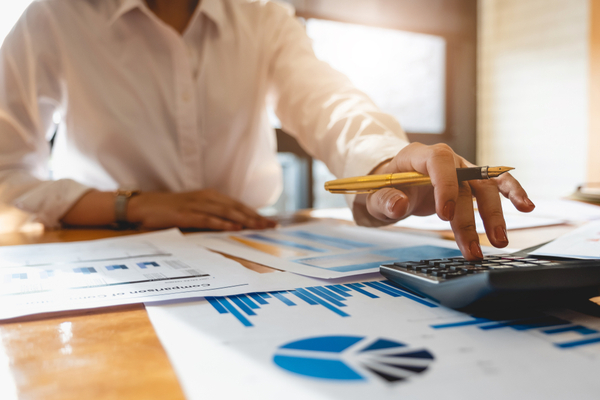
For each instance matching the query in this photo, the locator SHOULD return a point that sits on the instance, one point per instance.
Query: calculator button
(450, 264)
(404, 264)
(473, 265)
(450, 275)
(435, 263)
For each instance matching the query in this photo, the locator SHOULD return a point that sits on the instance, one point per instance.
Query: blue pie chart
(352, 358)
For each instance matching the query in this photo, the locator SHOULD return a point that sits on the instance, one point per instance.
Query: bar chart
(546, 325)
(332, 297)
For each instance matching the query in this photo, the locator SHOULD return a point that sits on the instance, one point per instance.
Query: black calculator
(498, 281)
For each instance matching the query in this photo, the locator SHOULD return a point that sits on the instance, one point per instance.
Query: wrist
(122, 211)
(94, 208)
(135, 209)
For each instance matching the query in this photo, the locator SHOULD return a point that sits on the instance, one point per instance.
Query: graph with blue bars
(547, 325)
(116, 267)
(332, 297)
(145, 265)
(85, 270)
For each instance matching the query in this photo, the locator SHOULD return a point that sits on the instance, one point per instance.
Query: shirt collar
(213, 9)
(125, 7)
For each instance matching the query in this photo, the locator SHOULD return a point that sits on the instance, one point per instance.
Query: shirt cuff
(49, 201)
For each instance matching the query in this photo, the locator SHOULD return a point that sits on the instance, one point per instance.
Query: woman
(168, 97)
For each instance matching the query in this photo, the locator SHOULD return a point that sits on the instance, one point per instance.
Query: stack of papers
(327, 326)
(132, 269)
(326, 250)
(164, 266)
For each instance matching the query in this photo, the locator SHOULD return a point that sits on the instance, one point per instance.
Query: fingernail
(501, 236)
(391, 203)
(475, 250)
(449, 210)
(529, 202)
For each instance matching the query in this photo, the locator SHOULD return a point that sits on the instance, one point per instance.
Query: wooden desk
(110, 353)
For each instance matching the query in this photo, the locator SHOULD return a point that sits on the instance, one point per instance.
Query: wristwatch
(121, 199)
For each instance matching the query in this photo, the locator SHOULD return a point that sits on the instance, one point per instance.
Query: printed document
(326, 249)
(370, 340)
(131, 269)
(583, 242)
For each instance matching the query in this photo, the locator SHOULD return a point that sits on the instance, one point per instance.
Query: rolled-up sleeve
(30, 93)
(333, 120)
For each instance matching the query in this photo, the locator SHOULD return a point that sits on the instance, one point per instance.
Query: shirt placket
(186, 103)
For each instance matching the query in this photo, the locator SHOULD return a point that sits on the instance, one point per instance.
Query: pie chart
(352, 358)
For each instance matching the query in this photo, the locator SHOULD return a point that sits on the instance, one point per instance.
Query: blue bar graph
(582, 330)
(578, 343)
(146, 264)
(283, 299)
(545, 324)
(331, 297)
(85, 270)
(116, 267)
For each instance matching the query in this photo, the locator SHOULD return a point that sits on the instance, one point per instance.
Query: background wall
(532, 91)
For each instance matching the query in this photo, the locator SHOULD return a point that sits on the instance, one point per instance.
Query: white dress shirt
(145, 107)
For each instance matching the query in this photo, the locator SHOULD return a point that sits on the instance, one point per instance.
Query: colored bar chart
(331, 297)
(332, 241)
(287, 243)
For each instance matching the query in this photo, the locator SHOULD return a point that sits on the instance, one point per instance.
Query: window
(403, 72)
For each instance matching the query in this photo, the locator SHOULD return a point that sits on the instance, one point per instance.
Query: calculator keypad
(456, 267)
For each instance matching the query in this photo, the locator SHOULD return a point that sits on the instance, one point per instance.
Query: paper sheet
(583, 242)
(326, 249)
(513, 218)
(131, 269)
(370, 340)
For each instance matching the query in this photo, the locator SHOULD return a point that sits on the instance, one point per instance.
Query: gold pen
(372, 183)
